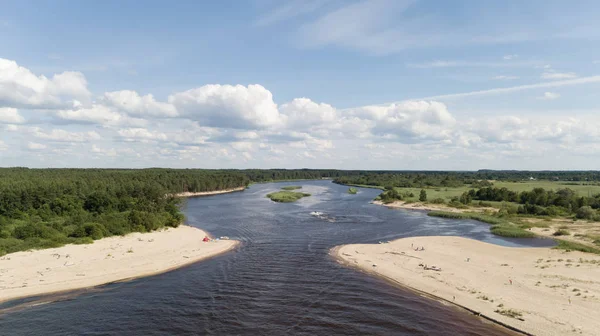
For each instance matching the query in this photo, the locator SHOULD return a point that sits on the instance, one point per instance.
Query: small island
(352, 191)
(291, 188)
(286, 196)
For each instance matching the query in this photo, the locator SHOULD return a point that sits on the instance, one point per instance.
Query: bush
(423, 195)
(437, 201)
(585, 212)
(561, 232)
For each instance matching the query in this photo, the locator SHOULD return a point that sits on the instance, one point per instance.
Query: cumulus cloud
(60, 135)
(98, 114)
(303, 113)
(141, 134)
(133, 104)
(227, 106)
(36, 146)
(10, 115)
(408, 121)
(19, 87)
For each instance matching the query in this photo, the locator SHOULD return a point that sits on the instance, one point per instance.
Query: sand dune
(107, 260)
(540, 291)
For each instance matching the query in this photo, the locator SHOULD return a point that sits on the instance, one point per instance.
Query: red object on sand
(205, 239)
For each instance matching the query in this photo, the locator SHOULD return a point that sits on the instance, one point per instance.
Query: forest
(42, 208)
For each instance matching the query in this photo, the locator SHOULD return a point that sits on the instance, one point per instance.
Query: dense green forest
(423, 179)
(42, 208)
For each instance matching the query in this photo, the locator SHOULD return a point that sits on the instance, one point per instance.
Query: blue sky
(417, 84)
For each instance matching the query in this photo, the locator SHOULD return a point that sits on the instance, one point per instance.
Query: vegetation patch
(291, 188)
(500, 226)
(572, 246)
(286, 196)
(510, 313)
(561, 232)
(352, 191)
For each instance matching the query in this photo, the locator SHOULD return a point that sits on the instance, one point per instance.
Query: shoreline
(430, 207)
(208, 193)
(108, 260)
(552, 297)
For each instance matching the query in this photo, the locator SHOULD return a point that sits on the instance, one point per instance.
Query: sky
(344, 84)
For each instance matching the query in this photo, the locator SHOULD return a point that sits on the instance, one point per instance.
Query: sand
(556, 292)
(432, 207)
(36, 272)
(209, 193)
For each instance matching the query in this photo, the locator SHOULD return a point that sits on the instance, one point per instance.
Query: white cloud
(60, 135)
(290, 10)
(10, 115)
(550, 96)
(303, 112)
(98, 114)
(104, 152)
(558, 75)
(242, 146)
(228, 106)
(141, 134)
(133, 104)
(561, 83)
(19, 87)
(468, 64)
(36, 146)
(510, 57)
(3, 146)
(505, 77)
(407, 121)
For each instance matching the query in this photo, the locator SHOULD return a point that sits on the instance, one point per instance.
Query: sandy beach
(208, 193)
(539, 291)
(36, 272)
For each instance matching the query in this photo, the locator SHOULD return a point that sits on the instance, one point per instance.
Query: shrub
(437, 201)
(585, 212)
(561, 232)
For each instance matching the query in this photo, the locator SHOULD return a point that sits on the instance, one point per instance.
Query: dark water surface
(280, 281)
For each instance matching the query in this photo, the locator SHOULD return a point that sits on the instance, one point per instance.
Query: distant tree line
(539, 201)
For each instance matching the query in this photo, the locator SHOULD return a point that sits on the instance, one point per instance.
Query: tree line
(540, 201)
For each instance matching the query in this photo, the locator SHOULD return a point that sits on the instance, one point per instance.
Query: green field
(448, 193)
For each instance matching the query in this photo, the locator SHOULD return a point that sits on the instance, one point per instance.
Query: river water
(280, 281)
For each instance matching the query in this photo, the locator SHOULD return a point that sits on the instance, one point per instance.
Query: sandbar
(37, 272)
(539, 291)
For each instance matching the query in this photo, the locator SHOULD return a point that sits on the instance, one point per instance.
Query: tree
(423, 195)
(585, 212)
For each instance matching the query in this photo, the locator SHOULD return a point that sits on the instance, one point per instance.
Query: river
(280, 281)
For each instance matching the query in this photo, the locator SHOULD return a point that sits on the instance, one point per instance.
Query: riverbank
(431, 207)
(539, 291)
(36, 272)
(209, 193)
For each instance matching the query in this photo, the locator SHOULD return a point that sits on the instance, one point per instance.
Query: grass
(291, 188)
(571, 246)
(286, 196)
(352, 191)
(500, 226)
(510, 313)
(448, 192)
